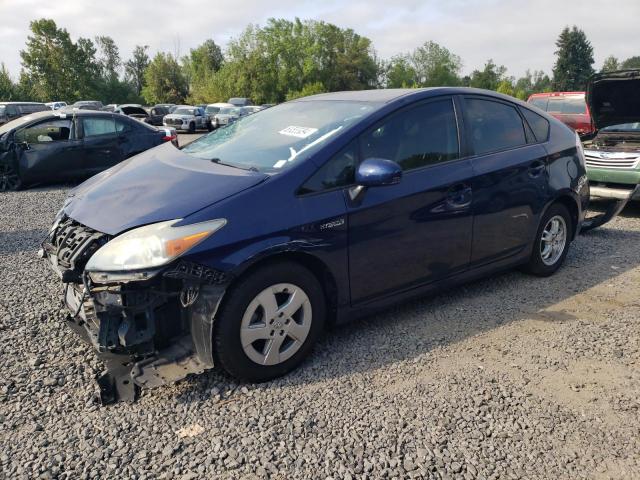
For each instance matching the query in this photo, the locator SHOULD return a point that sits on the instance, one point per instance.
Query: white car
(188, 119)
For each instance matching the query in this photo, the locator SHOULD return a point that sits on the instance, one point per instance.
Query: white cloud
(518, 34)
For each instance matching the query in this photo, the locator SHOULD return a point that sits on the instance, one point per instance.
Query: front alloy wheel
(276, 324)
(9, 179)
(269, 321)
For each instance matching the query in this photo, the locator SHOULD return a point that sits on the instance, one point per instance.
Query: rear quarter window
(539, 125)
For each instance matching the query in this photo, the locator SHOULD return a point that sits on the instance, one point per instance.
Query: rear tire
(552, 242)
(280, 306)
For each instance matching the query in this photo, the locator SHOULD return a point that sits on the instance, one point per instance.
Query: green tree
(108, 58)
(399, 73)
(308, 89)
(530, 83)
(7, 87)
(489, 77)
(200, 66)
(610, 64)
(284, 57)
(436, 65)
(574, 62)
(135, 67)
(506, 87)
(164, 80)
(632, 62)
(58, 68)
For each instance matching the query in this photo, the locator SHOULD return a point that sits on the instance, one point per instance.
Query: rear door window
(493, 126)
(97, 126)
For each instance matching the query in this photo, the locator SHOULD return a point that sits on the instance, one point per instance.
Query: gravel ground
(509, 377)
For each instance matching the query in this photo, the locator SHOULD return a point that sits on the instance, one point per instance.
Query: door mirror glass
(374, 172)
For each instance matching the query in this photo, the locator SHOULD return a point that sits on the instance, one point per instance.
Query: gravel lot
(509, 377)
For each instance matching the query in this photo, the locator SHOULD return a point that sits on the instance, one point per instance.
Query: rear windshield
(279, 136)
(540, 102)
(569, 105)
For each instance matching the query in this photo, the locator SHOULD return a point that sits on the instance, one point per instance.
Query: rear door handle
(459, 195)
(536, 168)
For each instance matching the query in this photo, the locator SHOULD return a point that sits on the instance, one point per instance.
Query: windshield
(623, 127)
(229, 111)
(212, 110)
(184, 111)
(279, 136)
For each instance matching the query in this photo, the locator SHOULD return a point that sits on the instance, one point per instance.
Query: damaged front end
(150, 327)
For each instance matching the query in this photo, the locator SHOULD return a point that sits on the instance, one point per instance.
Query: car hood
(614, 98)
(178, 117)
(158, 185)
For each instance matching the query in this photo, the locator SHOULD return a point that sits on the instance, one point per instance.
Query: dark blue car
(239, 249)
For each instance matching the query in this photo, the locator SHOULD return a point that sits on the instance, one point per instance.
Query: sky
(518, 34)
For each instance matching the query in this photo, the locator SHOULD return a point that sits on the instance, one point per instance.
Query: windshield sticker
(280, 164)
(300, 132)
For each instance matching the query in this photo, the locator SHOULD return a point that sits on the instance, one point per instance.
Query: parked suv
(613, 151)
(568, 107)
(239, 249)
(12, 110)
(187, 118)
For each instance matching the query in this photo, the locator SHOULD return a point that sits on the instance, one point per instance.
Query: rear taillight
(170, 135)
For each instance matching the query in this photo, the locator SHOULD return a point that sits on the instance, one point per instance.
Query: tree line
(282, 60)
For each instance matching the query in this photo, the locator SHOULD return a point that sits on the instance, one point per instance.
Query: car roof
(388, 95)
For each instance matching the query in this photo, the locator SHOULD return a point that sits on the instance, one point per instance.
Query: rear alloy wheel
(269, 322)
(9, 179)
(552, 242)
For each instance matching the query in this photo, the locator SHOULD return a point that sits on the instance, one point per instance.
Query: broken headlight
(151, 246)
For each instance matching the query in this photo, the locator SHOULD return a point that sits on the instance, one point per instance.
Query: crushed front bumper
(150, 328)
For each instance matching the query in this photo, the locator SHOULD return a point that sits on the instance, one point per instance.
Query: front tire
(192, 127)
(269, 322)
(10, 180)
(552, 242)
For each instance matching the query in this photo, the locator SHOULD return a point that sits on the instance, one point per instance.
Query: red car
(568, 107)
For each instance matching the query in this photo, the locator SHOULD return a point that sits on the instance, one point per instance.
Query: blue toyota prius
(240, 248)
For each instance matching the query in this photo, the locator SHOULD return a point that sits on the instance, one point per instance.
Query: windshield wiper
(220, 162)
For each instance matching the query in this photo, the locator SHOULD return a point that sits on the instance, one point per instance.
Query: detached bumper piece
(617, 199)
(149, 329)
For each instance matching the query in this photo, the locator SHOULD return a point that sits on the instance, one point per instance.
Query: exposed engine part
(150, 331)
